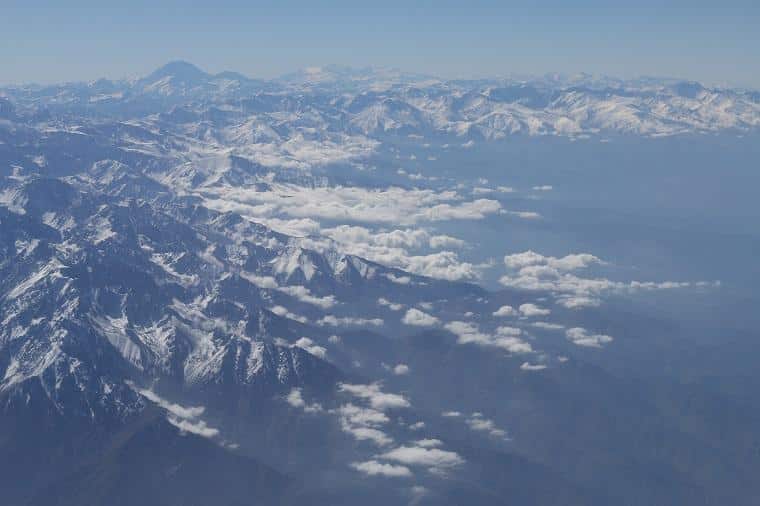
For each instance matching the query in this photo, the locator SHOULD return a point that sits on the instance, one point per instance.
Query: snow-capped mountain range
(372, 102)
(198, 266)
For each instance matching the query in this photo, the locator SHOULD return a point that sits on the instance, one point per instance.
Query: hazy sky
(715, 42)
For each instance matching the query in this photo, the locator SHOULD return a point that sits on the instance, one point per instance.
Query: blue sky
(48, 41)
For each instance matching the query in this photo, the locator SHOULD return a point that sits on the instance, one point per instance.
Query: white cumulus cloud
(375, 468)
(533, 310)
(375, 396)
(505, 311)
(583, 337)
(469, 333)
(418, 318)
(307, 344)
(295, 399)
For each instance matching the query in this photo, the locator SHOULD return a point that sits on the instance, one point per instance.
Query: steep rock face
(100, 299)
(93, 289)
(97, 292)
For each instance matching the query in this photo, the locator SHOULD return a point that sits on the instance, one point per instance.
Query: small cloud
(349, 321)
(429, 443)
(377, 436)
(434, 459)
(375, 468)
(310, 346)
(527, 366)
(400, 280)
(197, 427)
(175, 409)
(295, 399)
(285, 313)
(390, 305)
(401, 370)
(185, 418)
(363, 424)
(303, 294)
(377, 398)
(526, 215)
(505, 311)
(267, 282)
(508, 331)
(479, 423)
(578, 302)
(547, 325)
(533, 310)
(583, 337)
(567, 263)
(418, 318)
(469, 333)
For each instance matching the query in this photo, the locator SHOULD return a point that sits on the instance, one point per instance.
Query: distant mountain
(179, 71)
(380, 102)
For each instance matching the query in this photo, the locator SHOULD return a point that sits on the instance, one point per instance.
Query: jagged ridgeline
(191, 313)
